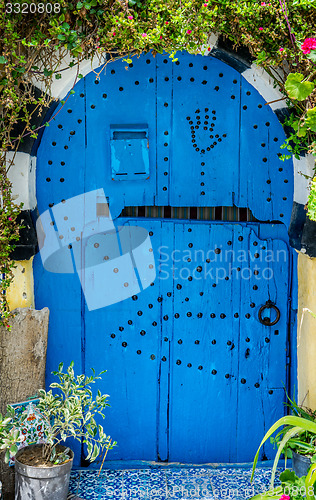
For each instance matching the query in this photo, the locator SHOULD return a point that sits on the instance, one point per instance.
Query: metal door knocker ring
(267, 321)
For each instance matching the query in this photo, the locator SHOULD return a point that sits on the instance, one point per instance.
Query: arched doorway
(193, 375)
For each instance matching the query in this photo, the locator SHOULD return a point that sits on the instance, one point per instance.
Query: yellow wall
(306, 336)
(21, 294)
(21, 291)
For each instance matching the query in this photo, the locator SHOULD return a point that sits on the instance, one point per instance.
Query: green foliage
(297, 88)
(296, 425)
(295, 488)
(9, 434)
(312, 201)
(70, 411)
(33, 45)
(304, 442)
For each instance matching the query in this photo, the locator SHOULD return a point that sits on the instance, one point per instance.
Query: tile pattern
(209, 483)
(31, 422)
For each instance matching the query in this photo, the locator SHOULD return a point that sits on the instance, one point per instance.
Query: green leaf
(3, 60)
(7, 456)
(14, 449)
(79, 5)
(58, 76)
(95, 453)
(302, 131)
(310, 119)
(312, 56)
(287, 475)
(296, 88)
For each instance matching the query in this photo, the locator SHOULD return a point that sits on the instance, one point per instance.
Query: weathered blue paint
(162, 408)
(129, 152)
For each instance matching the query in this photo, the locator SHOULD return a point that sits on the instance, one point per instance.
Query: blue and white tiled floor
(162, 483)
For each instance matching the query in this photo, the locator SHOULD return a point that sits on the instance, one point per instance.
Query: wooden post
(22, 368)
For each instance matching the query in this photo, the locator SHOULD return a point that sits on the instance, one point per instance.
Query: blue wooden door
(187, 358)
(192, 374)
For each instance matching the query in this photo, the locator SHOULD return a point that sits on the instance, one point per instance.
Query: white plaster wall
(303, 174)
(60, 88)
(21, 173)
(259, 78)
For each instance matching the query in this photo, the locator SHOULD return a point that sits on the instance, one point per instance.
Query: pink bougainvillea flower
(281, 49)
(263, 4)
(208, 48)
(205, 5)
(285, 497)
(160, 37)
(144, 34)
(10, 218)
(260, 29)
(189, 32)
(130, 17)
(167, 22)
(113, 33)
(308, 45)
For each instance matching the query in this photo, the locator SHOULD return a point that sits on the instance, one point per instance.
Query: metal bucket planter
(41, 483)
(300, 464)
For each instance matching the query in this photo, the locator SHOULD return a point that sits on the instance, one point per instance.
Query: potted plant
(42, 471)
(301, 447)
(294, 426)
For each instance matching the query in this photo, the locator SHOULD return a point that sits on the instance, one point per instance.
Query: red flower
(308, 45)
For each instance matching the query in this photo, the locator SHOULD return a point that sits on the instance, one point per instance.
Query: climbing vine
(36, 38)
